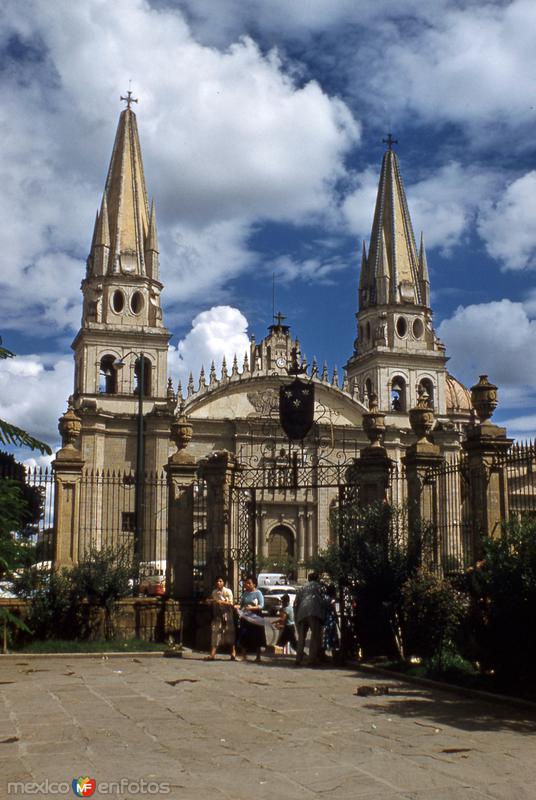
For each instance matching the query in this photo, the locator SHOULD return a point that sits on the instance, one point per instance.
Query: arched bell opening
(398, 394)
(107, 375)
(427, 387)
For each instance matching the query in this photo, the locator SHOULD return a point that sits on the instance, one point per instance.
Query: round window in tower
(418, 328)
(118, 301)
(136, 302)
(401, 326)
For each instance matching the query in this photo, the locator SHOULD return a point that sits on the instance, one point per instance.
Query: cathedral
(121, 371)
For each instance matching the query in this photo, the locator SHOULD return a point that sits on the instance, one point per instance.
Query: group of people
(240, 627)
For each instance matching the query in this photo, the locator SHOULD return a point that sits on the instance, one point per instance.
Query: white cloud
(33, 393)
(507, 225)
(470, 63)
(496, 338)
(219, 331)
(229, 138)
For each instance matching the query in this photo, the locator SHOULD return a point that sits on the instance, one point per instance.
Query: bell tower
(122, 317)
(397, 351)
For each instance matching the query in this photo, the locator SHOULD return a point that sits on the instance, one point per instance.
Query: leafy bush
(372, 560)
(50, 596)
(503, 593)
(433, 610)
(103, 577)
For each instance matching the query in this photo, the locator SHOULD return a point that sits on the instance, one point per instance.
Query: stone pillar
(371, 471)
(181, 472)
(300, 537)
(309, 544)
(218, 470)
(486, 446)
(68, 467)
(421, 459)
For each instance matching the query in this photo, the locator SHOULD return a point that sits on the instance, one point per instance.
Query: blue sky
(261, 124)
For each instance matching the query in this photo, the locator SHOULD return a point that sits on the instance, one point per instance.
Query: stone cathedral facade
(395, 358)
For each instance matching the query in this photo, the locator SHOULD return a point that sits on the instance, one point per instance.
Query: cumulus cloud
(468, 64)
(220, 331)
(507, 225)
(229, 137)
(497, 338)
(33, 393)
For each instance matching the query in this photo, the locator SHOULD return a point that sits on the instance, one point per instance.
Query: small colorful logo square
(84, 787)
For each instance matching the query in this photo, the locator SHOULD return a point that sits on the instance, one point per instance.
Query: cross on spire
(129, 99)
(279, 318)
(390, 141)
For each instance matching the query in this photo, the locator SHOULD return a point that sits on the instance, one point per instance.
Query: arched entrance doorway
(281, 543)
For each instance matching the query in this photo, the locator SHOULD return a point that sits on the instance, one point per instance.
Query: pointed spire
(325, 375)
(213, 376)
(363, 277)
(100, 247)
(234, 371)
(245, 367)
(179, 392)
(423, 274)
(102, 231)
(345, 383)
(126, 195)
(314, 370)
(151, 247)
(151, 243)
(392, 248)
(202, 381)
(224, 375)
(191, 387)
(335, 379)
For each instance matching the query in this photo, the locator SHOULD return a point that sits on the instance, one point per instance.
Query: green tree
(370, 558)
(503, 591)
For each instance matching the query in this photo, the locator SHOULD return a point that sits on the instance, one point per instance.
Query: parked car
(152, 581)
(6, 590)
(266, 579)
(273, 596)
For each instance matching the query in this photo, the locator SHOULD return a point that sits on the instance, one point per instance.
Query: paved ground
(236, 731)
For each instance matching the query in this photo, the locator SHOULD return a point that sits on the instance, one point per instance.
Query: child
(286, 625)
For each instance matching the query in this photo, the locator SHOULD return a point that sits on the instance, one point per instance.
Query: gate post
(486, 447)
(372, 470)
(68, 467)
(181, 471)
(421, 459)
(218, 470)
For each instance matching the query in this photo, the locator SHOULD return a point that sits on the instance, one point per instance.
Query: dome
(458, 397)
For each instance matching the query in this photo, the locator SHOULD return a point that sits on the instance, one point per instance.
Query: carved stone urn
(484, 398)
(374, 422)
(70, 427)
(181, 430)
(421, 418)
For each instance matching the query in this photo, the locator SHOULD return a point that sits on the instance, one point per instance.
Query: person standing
(251, 633)
(310, 608)
(222, 627)
(286, 625)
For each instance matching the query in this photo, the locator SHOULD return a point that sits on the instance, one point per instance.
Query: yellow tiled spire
(392, 251)
(126, 204)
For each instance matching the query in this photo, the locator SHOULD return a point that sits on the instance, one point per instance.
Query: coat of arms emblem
(296, 408)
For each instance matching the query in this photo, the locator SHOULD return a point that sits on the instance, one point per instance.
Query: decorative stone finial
(484, 398)
(421, 417)
(374, 422)
(181, 431)
(70, 427)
